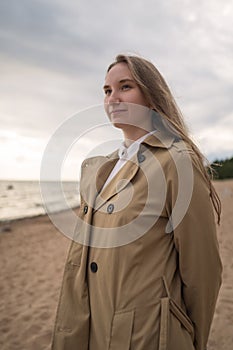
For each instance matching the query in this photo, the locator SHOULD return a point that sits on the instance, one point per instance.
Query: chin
(118, 122)
(118, 125)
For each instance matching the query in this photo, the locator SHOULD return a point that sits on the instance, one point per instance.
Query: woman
(146, 271)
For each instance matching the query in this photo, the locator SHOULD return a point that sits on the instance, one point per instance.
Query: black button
(94, 267)
(141, 157)
(85, 209)
(110, 208)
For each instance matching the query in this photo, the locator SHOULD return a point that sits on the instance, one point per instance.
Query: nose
(113, 98)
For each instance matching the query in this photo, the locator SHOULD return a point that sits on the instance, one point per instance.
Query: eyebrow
(121, 81)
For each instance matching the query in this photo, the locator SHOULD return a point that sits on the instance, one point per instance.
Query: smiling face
(125, 103)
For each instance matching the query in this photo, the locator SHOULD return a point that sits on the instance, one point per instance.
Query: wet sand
(32, 257)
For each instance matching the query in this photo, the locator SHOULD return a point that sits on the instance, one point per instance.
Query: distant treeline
(223, 169)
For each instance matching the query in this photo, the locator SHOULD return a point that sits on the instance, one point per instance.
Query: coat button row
(110, 209)
(94, 267)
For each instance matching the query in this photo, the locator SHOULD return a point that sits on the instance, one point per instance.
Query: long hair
(160, 99)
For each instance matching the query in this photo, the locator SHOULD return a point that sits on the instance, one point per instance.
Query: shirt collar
(127, 153)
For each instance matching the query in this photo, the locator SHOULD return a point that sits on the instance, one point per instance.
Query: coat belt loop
(164, 324)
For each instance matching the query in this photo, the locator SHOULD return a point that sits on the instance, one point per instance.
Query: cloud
(217, 139)
(54, 56)
(20, 156)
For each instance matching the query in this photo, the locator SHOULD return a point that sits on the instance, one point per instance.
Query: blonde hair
(160, 99)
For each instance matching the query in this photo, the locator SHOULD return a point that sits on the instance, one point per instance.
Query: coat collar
(160, 139)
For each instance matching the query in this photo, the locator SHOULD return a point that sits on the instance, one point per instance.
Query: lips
(115, 110)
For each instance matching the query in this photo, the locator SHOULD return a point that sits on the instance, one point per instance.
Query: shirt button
(85, 209)
(94, 267)
(110, 208)
(141, 157)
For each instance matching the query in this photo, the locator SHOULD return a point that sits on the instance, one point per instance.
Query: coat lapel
(104, 172)
(118, 182)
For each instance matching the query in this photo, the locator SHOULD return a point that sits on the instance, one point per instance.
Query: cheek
(139, 114)
(143, 101)
(139, 99)
(105, 99)
(106, 108)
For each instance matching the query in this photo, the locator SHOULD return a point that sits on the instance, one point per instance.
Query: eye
(126, 87)
(107, 92)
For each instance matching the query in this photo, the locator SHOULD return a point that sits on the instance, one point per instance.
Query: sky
(53, 59)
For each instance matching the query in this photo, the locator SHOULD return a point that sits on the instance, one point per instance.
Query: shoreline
(14, 220)
(5, 222)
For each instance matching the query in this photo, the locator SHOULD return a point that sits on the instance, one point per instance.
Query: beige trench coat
(154, 283)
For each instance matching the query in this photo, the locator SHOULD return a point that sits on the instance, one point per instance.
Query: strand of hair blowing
(160, 99)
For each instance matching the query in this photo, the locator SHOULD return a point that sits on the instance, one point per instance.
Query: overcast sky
(54, 54)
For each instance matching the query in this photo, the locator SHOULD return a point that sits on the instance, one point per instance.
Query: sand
(32, 257)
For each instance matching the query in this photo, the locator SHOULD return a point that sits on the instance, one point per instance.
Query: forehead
(118, 72)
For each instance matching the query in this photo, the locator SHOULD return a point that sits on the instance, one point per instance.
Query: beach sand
(32, 257)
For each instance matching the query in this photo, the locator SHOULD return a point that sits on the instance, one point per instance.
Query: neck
(132, 135)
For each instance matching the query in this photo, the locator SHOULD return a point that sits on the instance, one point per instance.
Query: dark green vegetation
(223, 169)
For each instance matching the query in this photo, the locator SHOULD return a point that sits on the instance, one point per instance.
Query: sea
(22, 199)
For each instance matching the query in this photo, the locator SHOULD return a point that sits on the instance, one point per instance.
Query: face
(125, 103)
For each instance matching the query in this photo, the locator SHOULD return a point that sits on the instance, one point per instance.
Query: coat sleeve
(198, 252)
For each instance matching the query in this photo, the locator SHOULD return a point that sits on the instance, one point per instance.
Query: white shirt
(125, 154)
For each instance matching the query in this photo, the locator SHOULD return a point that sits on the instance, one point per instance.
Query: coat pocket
(183, 318)
(176, 329)
(121, 332)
